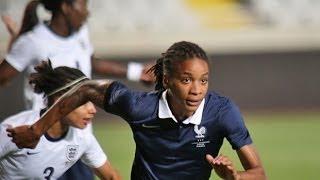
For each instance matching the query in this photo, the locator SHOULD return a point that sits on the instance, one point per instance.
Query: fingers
(210, 159)
(221, 161)
(223, 166)
(10, 132)
(23, 136)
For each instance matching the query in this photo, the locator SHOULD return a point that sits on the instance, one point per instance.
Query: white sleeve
(6, 145)
(85, 38)
(22, 53)
(134, 71)
(94, 156)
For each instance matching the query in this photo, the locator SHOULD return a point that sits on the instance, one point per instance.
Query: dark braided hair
(30, 17)
(47, 79)
(178, 52)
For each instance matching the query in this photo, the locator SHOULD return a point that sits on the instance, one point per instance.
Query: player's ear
(165, 81)
(65, 8)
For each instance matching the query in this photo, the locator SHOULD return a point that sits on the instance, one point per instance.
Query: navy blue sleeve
(234, 126)
(129, 104)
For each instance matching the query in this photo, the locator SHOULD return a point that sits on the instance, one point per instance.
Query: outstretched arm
(91, 90)
(250, 161)
(7, 72)
(132, 71)
(12, 28)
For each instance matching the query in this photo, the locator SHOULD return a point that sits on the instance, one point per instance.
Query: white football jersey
(52, 157)
(41, 44)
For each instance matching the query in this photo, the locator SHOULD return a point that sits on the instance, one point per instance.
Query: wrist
(37, 134)
(134, 71)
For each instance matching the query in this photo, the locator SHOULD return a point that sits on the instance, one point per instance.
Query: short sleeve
(119, 100)
(22, 53)
(93, 156)
(129, 104)
(234, 126)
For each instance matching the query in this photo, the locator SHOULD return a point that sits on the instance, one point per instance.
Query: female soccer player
(64, 39)
(62, 144)
(178, 129)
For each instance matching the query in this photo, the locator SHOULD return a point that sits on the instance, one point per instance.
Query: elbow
(263, 174)
(260, 173)
(257, 173)
(114, 176)
(7, 72)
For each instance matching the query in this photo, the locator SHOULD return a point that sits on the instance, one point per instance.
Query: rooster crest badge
(200, 131)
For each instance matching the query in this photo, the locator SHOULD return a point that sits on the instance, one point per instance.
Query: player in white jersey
(65, 40)
(63, 144)
(41, 43)
(38, 41)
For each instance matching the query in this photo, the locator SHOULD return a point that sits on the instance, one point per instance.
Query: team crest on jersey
(200, 131)
(72, 151)
(200, 135)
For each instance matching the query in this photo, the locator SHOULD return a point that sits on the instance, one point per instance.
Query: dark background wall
(273, 80)
(260, 81)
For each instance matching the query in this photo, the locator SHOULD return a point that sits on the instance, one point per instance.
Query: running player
(62, 144)
(178, 129)
(65, 41)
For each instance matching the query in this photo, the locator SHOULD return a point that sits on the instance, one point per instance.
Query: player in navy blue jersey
(178, 129)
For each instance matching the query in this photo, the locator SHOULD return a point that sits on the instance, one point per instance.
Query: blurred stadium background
(265, 56)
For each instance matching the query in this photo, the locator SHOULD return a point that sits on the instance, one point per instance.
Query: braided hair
(47, 79)
(178, 52)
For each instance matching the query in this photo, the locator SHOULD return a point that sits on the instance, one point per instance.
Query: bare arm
(7, 72)
(250, 161)
(12, 29)
(121, 70)
(108, 68)
(108, 172)
(91, 90)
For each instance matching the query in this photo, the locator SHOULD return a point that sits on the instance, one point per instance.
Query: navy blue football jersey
(170, 149)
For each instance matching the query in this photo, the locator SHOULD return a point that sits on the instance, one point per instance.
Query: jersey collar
(165, 112)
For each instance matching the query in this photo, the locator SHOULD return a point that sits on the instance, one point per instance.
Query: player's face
(78, 14)
(81, 116)
(187, 87)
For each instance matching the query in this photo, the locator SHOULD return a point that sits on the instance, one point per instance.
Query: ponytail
(157, 69)
(30, 18)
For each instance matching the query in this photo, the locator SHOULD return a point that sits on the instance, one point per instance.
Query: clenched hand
(23, 136)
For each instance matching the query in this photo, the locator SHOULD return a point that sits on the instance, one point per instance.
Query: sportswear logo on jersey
(32, 153)
(149, 126)
(72, 151)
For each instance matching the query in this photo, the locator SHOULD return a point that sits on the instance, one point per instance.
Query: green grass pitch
(289, 144)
